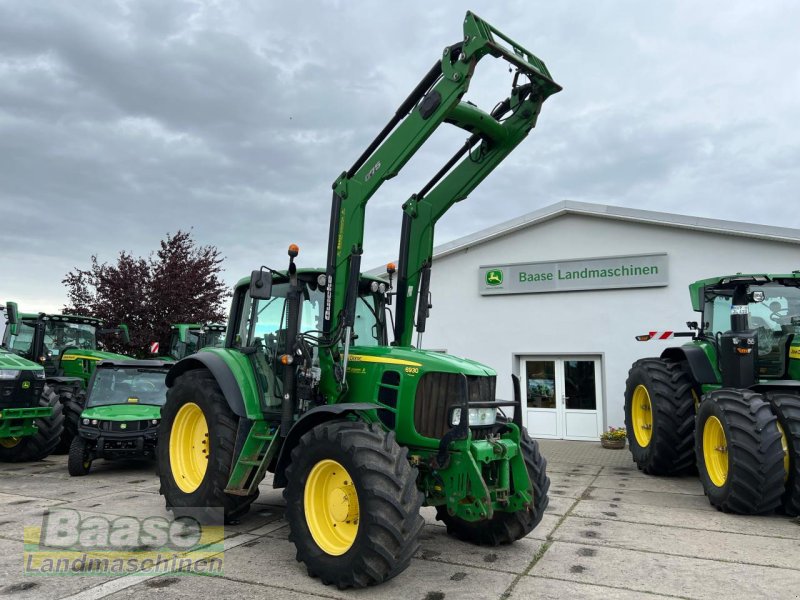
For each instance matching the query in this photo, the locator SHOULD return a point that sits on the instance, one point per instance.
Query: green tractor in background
(188, 338)
(31, 417)
(360, 431)
(67, 347)
(728, 401)
(121, 415)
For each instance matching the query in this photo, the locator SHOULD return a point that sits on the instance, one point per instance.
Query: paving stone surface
(609, 532)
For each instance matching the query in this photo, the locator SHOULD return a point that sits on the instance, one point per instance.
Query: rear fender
(233, 374)
(314, 417)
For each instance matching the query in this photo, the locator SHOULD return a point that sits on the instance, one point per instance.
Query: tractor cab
(756, 316)
(188, 338)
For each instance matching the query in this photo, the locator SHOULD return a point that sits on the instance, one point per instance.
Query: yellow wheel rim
(715, 451)
(785, 446)
(331, 507)
(642, 416)
(9, 442)
(188, 447)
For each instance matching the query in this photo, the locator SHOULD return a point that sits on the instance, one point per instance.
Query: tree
(178, 283)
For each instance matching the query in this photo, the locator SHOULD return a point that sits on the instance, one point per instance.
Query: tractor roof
(69, 318)
(134, 364)
(727, 282)
(282, 276)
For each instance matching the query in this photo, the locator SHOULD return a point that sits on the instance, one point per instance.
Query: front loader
(727, 402)
(358, 429)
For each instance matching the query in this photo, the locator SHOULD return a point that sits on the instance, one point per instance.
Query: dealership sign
(638, 270)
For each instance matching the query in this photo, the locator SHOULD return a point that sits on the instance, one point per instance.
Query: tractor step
(257, 452)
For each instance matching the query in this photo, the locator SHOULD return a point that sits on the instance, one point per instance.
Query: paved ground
(610, 532)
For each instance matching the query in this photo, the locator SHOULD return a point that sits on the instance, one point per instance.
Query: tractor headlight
(9, 373)
(478, 417)
(38, 374)
(86, 421)
(154, 421)
(94, 421)
(373, 286)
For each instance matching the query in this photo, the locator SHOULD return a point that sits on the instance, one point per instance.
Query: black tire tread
(77, 457)
(786, 407)
(390, 521)
(755, 455)
(507, 527)
(671, 448)
(202, 382)
(73, 401)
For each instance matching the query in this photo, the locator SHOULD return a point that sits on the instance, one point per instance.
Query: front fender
(233, 373)
(308, 421)
(700, 368)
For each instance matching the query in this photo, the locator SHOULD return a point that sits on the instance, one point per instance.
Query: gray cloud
(122, 121)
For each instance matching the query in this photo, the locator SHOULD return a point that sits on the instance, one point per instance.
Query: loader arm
(434, 101)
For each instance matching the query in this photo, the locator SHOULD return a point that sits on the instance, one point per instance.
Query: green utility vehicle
(31, 419)
(67, 347)
(188, 338)
(123, 408)
(361, 431)
(728, 401)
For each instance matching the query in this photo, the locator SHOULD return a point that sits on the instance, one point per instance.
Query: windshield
(214, 339)
(128, 386)
(777, 315)
(21, 343)
(59, 335)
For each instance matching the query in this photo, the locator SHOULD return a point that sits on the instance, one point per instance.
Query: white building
(595, 276)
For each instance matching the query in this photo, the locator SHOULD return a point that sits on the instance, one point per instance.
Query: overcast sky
(122, 121)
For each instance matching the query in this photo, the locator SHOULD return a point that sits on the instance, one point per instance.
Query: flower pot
(613, 444)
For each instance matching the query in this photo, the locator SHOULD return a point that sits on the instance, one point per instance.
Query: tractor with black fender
(121, 415)
(361, 430)
(727, 402)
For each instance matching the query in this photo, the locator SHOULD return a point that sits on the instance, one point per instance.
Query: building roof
(569, 207)
(619, 213)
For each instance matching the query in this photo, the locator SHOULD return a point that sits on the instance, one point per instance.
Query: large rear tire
(352, 504)
(44, 441)
(195, 451)
(72, 401)
(507, 527)
(659, 416)
(739, 452)
(787, 408)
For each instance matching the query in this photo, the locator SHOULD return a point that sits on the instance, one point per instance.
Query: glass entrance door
(563, 396)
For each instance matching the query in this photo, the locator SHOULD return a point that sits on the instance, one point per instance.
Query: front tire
(659, 416)
(739, 452)
(352, 504)
(44, 441)
(507, 527)
(787, 408)
(72, 401)
(80, 457)
(195, 450)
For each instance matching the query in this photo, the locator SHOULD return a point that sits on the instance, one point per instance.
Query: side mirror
(261, 285)
(124, 334)
(12, 314)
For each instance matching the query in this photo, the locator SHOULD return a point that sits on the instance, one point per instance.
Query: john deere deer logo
(494, 277)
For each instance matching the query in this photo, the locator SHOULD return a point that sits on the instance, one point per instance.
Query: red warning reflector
(153, 347)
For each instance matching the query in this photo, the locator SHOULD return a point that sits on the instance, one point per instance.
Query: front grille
(22, 392)
(438, 393)
(130, 426)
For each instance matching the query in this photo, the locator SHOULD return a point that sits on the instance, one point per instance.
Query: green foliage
(178, 283)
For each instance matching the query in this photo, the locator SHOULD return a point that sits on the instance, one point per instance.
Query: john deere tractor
(728, 401)
(188, 338)
(31, 419)
(361, 431)
(66, 346)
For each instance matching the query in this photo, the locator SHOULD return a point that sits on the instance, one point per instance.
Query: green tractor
(121, 415)
(361, 431)
(188, 338)
(728, 402)
(66, 346)
(31, 417)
